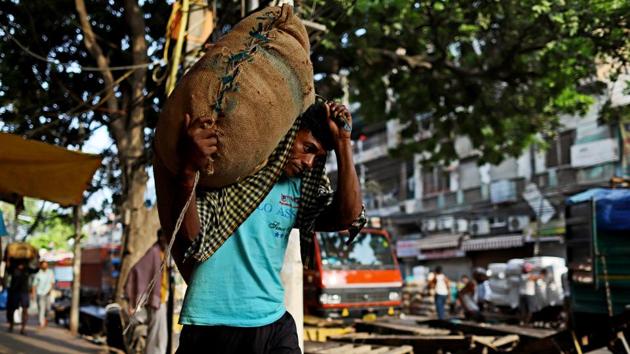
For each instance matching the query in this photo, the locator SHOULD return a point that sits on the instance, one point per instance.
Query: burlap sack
(21, 250)
(254, 82)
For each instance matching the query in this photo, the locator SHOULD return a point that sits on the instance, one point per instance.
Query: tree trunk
(127, 128)
(140, 225)
(76, 273)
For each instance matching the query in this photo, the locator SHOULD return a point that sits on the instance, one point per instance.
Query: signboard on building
(594, 153)
(407, 248)
(440, 254)
(503, 191)
(542, 207)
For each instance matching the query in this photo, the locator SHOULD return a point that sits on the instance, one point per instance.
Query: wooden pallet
(420, 344)
(353, 348)
(398, 327)
(491, 329)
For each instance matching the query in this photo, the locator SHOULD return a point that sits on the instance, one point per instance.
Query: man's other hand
(199, 145)
(340, 122)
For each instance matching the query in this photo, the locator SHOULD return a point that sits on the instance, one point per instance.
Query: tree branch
(38, 218)
(135, 123)
(414, 61)
(95, 49)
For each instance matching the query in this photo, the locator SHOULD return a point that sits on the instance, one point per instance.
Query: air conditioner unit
(429, 225)
(479, 227)
(518, 223)
(446, 223)
(461, 226)
(498, 222)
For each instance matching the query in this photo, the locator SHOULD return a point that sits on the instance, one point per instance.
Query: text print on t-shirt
(286, 208)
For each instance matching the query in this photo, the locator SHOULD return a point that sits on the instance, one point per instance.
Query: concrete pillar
(291, 276)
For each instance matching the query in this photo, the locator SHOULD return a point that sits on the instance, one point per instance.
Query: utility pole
(177, 51)
(76, 273)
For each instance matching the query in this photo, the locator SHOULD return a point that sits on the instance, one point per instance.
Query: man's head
(43, 265)
(312, 142)
(438, 270)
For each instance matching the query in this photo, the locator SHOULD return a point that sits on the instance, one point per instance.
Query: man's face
(305, 151)
(44, 265)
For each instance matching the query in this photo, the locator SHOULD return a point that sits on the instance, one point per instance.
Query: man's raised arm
(346, 206)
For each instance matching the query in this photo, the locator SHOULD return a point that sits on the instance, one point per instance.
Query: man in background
(18, 294)
(139, 278)
(440, 283)
(42, 286)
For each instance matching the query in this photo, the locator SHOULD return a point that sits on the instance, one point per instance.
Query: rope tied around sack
(143, 299)
(259, 37)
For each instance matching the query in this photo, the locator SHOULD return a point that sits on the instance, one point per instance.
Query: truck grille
(359, 295)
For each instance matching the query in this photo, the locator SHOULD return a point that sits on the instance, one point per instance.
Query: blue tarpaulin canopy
(612, 206)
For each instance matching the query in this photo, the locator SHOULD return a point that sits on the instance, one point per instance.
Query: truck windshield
(367, 251)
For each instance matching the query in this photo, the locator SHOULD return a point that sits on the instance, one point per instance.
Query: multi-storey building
(467, 215)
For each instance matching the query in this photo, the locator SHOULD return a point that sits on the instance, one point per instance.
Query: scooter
(130, 340)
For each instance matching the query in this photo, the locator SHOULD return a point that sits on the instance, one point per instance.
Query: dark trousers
(440, 301)
(279, 337)
(15, 299)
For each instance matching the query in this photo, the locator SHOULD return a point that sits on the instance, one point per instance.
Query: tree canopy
(52, 89)
(499, 72)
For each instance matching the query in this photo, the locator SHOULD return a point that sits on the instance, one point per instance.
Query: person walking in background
(527, 289)
(482, 289)
(42, 286)
(139, 278)
(18, 294)
(440, 284)
(456, 304)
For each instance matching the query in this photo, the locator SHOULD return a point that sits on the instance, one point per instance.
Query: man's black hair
(314, 120)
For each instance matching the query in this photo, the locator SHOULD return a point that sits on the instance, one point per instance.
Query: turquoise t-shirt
(240, 284)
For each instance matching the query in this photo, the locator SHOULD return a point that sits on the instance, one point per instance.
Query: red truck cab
(352, 280)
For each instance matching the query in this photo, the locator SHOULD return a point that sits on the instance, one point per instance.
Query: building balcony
(566, 176)
(449, 199)
(506, 190)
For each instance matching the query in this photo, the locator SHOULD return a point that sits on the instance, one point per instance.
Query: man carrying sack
(243, 137)
(235, 299)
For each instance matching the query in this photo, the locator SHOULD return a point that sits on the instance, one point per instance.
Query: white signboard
(594, 153)
(407, 248)
(502, 191)
(542, 208)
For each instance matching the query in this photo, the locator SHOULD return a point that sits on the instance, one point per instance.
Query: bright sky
(98, 142)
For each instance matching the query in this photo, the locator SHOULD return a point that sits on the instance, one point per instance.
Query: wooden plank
(399, 328)
(419, 344)
(490, 329)
(405, 349)
(319, 334)
(352, 348)
(340, 349)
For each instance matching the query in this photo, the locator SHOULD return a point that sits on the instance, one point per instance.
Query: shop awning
(492, 243)
(439, 241)
(43, 171)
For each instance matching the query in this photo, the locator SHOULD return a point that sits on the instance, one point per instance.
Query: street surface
(51, 340)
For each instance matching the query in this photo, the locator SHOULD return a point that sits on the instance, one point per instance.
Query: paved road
(51, 340)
